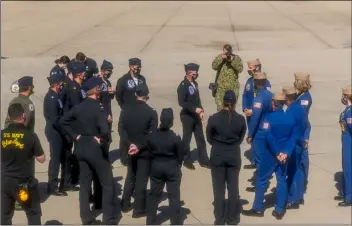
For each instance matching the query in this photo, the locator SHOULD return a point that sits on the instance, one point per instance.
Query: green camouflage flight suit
(228, 78)
(28, 107)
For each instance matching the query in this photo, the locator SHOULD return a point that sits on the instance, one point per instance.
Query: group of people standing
(77, 110)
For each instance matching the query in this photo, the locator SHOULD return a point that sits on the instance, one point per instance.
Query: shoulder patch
(304, 102)
(31, 107)
(52, 97)
(349, 120)
(191, 90)
(257, 105)
(266, 125)
(248, 87)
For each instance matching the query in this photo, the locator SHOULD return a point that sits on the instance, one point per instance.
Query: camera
(228, 56)
(228, 51)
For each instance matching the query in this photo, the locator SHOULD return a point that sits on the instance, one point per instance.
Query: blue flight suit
(279, 137)
(248, 96)
(346, 138)
(305, 100)
(296, 175)
(261, 107)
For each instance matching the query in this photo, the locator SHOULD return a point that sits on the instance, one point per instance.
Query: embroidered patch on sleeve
(349, 120)
(304, 102)
(257, 105)
(266, 125)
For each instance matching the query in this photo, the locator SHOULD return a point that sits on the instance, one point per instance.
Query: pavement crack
(162, 26)
(300, 25)
(233, 29)
(86, 30)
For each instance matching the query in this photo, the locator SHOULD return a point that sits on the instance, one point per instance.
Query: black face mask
(107, 74)
(32, 91)
(136, 71)
(195, 76)
(344, 100)
(251, 72)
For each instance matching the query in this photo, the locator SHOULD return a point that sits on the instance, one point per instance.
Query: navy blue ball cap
(230, 96)
(25, 81)
(91, 83)
(191, 67)
(142, 90)
(106, 65)
(167, 114)
(77, 67)
(55, 78)
(134, 61)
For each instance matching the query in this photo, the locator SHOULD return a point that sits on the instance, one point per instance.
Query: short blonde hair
(302, 85)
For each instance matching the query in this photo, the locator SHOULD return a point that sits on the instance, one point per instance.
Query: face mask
(344, 100)
(31, 92)
(251, 73)
(107, 74)
(195, 76)
(136, 71)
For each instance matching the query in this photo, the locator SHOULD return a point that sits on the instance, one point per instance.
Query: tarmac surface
(287, 37)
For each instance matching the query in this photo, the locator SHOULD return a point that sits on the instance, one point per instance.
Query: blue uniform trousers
(295, 176)
(347, 167)
(268, 166)
(257, 149)
(305, 165)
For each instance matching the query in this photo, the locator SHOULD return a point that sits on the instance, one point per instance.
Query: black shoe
(253, 213)
(250, 189)
(233, 221)
(125, 208)
(277, 215)
(58, 192)
(189, 166)
(252, 179)
(292, 206)
(71, 188)
(139, 214)
(205, 165)
(338, 198)
(93, 222)
(250, 166)
(301, 202)
(219, 222)
(345, 204)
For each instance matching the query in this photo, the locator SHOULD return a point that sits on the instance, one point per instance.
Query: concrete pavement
(287, 37)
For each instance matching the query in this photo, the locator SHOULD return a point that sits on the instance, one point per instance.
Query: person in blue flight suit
(249, 94)
(346, 137)
(107, 93)
(126, 94)
(91, 67)
(303, 85)
(278, 146)
(261, 107)
(295, 174)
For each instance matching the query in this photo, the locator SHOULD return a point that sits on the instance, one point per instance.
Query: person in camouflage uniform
(228, 66)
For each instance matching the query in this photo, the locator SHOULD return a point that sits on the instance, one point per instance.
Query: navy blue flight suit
(249, 93)
(261, 107)
(279, 137)
(305, 100)
(346, 138)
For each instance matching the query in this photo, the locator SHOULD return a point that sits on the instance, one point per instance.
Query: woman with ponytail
(225, 133)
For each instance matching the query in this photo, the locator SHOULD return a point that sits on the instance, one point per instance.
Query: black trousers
(138, 169)
(73, 161)
(92, 162)
(169, 173)
(190, 125)
(59, 155)
(223, 176)
(123, 151)
(9, 195)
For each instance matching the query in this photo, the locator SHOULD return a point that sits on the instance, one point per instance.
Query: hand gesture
(248, 112)
(249, 140)
(307, 143)
(109, 119)
(133, 149)
(97, 139)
